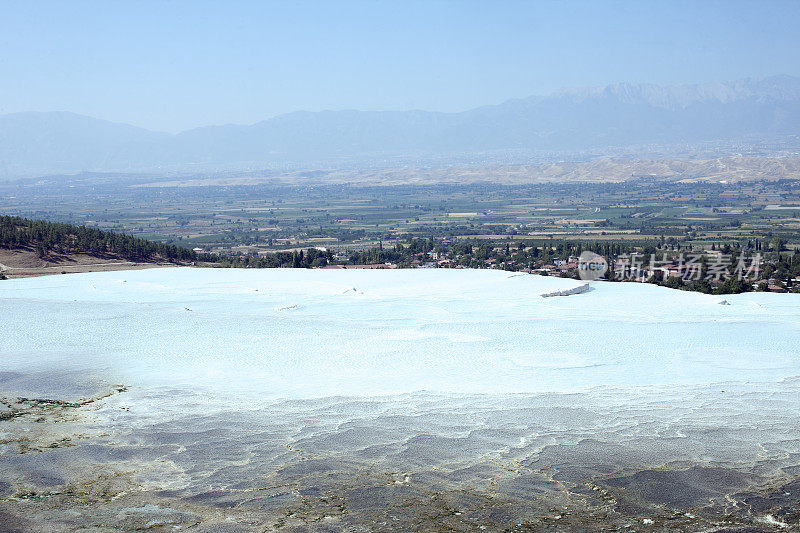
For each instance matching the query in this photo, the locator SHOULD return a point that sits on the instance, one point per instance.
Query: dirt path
(15, 272)
(27, 272)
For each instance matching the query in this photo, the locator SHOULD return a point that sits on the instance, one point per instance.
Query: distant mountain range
(749, 111)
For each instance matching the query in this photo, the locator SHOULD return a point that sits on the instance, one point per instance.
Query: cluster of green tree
(379, 255)
(311, 258)
(50, 237)
(480, 253)
(786, 267)
(779, 268)
(730, 285)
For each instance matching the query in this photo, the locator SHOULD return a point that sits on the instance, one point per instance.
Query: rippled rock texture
(690, 459)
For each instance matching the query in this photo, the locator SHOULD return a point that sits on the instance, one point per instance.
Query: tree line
(53, 237)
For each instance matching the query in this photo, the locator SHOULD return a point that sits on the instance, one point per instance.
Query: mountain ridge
(750, 110)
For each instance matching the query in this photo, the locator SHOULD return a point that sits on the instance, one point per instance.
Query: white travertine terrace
(286, 333)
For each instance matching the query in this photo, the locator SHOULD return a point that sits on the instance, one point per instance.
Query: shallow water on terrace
(313, 333)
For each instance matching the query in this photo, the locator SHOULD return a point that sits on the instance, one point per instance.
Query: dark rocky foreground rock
(84, 455)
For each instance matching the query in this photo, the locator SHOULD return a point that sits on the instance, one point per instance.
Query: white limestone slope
(314, 333)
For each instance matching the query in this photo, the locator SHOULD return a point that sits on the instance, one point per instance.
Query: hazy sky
(180, 64)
